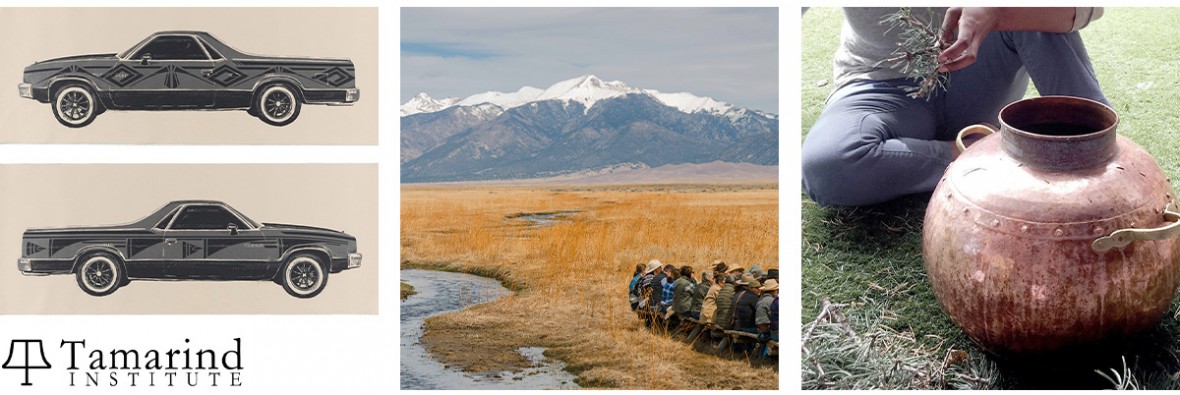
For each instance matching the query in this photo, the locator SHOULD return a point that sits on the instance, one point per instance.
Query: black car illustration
(187, 70)
(190, 240)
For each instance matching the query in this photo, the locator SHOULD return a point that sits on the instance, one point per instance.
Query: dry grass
(571, 277)
(407, 290)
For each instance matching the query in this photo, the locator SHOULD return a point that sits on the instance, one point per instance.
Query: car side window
(213, 54)
(205, 218)
(172, 48)
(164, 222)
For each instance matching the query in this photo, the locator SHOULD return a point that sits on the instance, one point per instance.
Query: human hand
(963, 30)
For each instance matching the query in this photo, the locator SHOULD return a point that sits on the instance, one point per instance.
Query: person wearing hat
(766, 312)
(746, 303)
(757, 272)
(720, 268)
(649, 289)
(709, 304)
(723, 316)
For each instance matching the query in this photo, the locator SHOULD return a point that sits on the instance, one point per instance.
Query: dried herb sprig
(917, 52)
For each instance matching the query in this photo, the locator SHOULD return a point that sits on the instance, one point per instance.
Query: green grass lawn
(887, 330)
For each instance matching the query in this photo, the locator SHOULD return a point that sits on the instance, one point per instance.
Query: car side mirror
(233, 229)
(143, 59)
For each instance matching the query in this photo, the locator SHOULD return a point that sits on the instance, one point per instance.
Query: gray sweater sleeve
(1084, 15)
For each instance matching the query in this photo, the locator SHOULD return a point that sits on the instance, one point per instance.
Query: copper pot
(1054, 234)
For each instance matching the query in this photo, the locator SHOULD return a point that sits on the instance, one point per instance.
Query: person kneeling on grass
(766, 314)
(746, 306)
(632, 294)
(682, 293)
(874, 142)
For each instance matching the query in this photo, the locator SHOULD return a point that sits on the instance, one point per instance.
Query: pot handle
(1122, 237)
(981, 128)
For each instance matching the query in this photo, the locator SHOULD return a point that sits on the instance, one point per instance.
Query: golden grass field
(571, 278)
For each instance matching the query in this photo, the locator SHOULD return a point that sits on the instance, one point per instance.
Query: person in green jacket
(698, 294)
(682, 292)
(723, 317)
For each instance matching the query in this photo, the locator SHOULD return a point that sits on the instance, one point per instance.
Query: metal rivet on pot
(1097, 230)
(1024, 228)
(996, 222)
(1058, 232)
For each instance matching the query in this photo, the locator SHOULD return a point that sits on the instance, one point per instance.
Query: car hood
(73, 229)
(302, 228)
(104, 56)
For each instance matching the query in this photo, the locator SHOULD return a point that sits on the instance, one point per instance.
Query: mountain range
(578, 125)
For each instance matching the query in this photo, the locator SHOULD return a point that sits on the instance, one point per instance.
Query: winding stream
(437, 295)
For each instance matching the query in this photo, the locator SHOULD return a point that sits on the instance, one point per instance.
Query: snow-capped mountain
(587, 89)
(423, 103)
(576, 126)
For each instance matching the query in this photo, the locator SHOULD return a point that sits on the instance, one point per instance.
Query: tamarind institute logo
(75, 364)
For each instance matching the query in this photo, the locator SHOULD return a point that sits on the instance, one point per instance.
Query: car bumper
(25, 89)
(332, 97)
(26, 267)
(354, 260)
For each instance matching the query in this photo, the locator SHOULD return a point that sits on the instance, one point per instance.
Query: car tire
(304, 276)
(277, 104)
(100, 274)
(74, 105)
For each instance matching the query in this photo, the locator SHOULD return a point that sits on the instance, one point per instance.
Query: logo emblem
(226, 76)
(121, 75)
(334, 77)
(25, 360)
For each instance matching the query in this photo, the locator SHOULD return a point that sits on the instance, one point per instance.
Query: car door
(211, 242)
(168, 71)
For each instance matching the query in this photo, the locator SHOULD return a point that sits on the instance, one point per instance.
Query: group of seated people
(723, 298)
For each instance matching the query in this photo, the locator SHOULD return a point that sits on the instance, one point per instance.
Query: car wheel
(100, 274)
(75, 106)
(277, 104)
(304, 276)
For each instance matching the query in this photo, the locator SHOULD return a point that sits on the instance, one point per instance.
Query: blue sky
(729, 54)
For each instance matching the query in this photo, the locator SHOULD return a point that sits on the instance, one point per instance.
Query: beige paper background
(28, 35)
(335, 196)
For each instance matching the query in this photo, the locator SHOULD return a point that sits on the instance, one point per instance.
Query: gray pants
(872, 143)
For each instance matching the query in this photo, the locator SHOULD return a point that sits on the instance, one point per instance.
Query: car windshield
(123, 55)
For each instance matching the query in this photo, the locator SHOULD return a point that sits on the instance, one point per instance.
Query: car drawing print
(190, 240)
(187, 70)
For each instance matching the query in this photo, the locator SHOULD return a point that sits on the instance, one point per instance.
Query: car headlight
(351, 95)
(354, 260)
(26, 90)
(24, 264)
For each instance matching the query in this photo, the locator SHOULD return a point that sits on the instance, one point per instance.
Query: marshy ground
(570, 276)
(886, 330)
